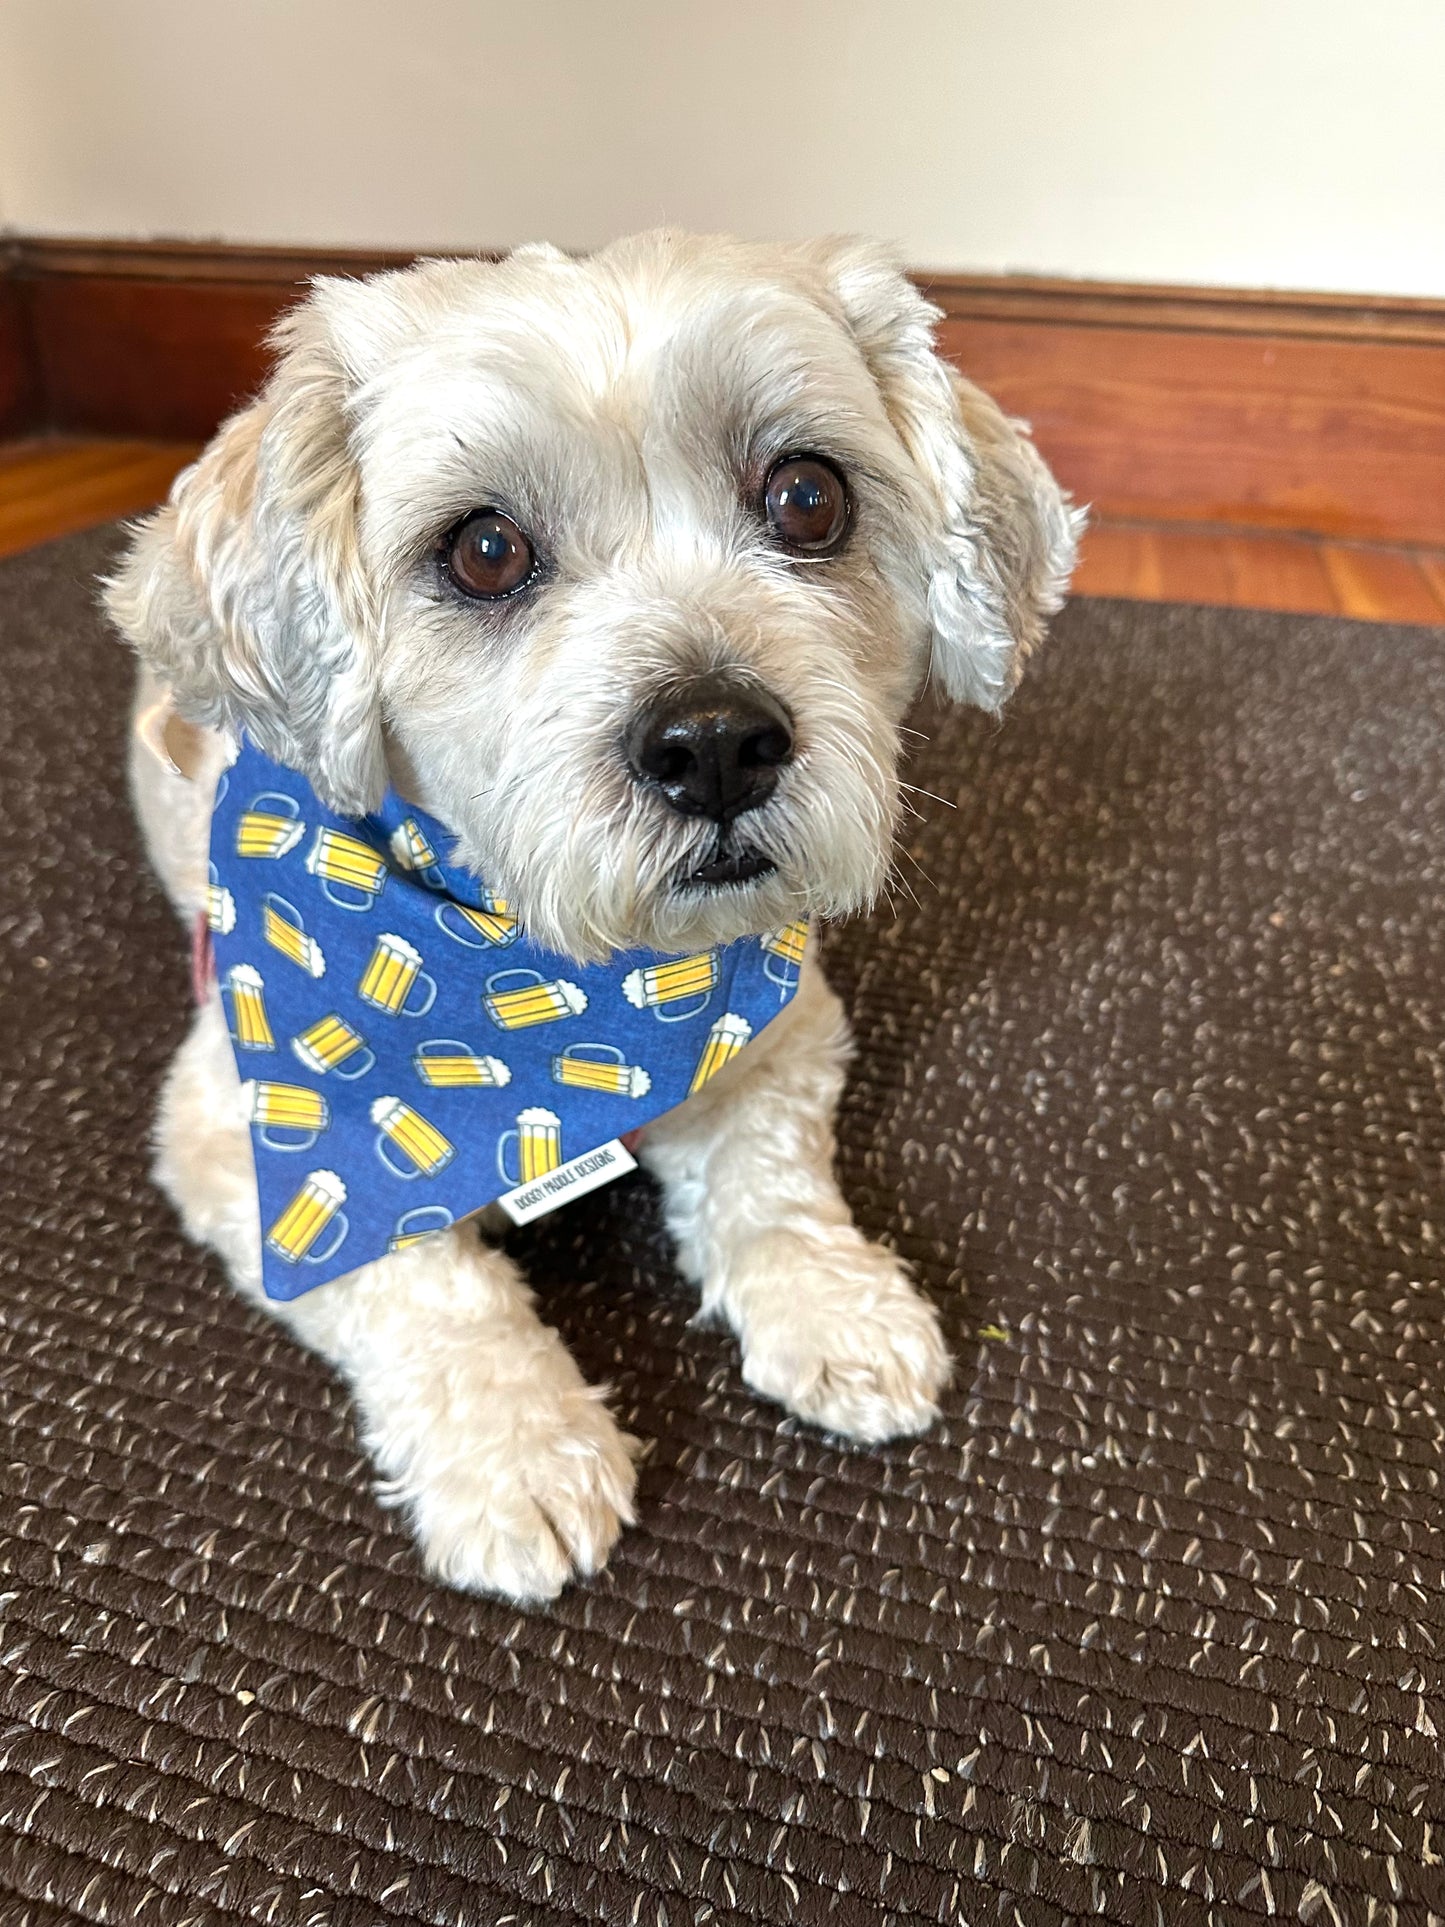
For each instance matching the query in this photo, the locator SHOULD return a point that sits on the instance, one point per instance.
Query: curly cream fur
(623, 408)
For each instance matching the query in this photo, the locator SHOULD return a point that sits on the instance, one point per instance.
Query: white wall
(1290, 143)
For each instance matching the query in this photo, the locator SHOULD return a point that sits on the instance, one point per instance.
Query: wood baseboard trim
(21, 405)
(1321, 413)
(1229, 311)
(994, 297)
(40, 257)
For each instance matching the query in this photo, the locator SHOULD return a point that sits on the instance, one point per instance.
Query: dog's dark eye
(807, 504)
(488, 556)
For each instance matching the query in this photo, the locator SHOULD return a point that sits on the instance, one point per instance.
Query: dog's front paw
(531, 1492)
(835, 1331)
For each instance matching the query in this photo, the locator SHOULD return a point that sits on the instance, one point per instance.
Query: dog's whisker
(915, 790)
(919, 867)
(904, 885)
(504, 784)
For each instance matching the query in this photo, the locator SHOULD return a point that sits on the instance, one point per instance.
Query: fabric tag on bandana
(572, 1180)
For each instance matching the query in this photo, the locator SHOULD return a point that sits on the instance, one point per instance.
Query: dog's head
(625, 568)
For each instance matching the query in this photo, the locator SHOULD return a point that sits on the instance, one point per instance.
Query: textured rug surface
(1150, 1629)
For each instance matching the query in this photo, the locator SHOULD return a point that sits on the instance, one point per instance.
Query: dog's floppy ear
(1003, 539)
(246, 594)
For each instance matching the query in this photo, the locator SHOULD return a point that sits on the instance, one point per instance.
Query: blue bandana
(408, 1055)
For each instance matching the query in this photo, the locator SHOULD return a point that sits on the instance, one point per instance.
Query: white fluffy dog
(484, 519)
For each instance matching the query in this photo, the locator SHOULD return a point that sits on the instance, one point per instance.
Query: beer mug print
(283, 929)
(724, 1041)
(537, 1144)
(783, 953)
(329, 1044)
(419, 1141)
(351, 874)
(220, 905)
(250, 1026)
(673, 991)
(534, 1001)
(289, 1117)
(447, 1064)
(391, 977)
(489, 928)
(271, 827)
(424, 1222)
(600, 1067)
(410, 847)
(317, 1205)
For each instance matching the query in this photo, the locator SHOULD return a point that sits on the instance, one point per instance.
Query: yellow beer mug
(220, 904)
(410, 847)
(418, 1140)
(301, 1113)
(489, 928)
(448, 1064)
(724, 1041)
(331, 1042)
(391, 976)
(315, 1206)
(269, 832)
(538, 1140)
(424, 1222)
(664, 988)
(535, 1001)
(344, 863)
(600, 1067)
(783, 953)
(284, 930)
(250, 1026)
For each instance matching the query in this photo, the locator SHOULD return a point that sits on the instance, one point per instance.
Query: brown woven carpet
(1152, 1628)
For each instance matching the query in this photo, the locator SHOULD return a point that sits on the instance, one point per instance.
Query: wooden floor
(1258, 569)
(52, 485)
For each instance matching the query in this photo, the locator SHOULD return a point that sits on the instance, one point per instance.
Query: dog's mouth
(725, 869)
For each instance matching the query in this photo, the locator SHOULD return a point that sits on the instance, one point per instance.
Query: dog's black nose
(713, 748)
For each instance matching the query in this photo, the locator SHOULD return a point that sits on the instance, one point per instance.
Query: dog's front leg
(830, 1324)
(513, 1471)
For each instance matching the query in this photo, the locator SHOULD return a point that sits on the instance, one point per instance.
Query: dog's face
(625, 568)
